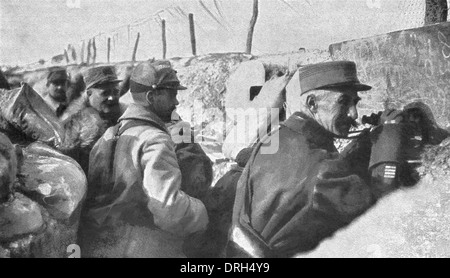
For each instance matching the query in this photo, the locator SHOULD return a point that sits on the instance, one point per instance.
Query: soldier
(288, 202)
(101, 94)
(142, 212)
(93, 112)
(56, 88)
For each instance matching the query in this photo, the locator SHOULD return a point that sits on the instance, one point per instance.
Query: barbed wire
(212, 12)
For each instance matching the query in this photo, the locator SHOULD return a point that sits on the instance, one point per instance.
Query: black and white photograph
(201, 129)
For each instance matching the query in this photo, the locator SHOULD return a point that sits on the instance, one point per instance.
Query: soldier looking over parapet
(288, 202)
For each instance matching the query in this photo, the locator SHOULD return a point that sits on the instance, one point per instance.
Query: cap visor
(106, 82)
(357, 86)
(181, 87)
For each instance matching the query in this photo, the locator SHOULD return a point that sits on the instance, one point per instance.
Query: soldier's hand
(270, 95)
(391, 116)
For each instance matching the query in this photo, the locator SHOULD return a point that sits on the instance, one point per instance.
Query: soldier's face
(163, 103)
(337, 111)
(57, 90)
(105, 100)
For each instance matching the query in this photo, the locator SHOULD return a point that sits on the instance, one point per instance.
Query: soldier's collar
(138, 112)
(309, 128)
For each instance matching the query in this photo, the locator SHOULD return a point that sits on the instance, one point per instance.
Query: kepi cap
(149, 76)
(101, 75)
(330, 75)
(57, 74)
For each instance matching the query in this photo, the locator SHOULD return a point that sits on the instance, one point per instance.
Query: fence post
(88, 52)
(82, 52)
(133, 58)
(66, 56)
(164, 43)
(252, 27)
(94, 48)
(192, 32)
(109, 49)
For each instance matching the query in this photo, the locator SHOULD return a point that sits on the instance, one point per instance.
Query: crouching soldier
(289, 201)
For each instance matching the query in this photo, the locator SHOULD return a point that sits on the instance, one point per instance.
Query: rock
(19, 216)
(55, 181)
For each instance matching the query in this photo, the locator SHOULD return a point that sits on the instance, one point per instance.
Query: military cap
(56, 74)
(100, 75)
(149, 76)
(329, 75)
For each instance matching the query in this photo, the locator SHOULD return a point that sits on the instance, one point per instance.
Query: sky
(39, 29)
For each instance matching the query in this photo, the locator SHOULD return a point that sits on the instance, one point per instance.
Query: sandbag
(26, 117)
(19, 216)
(40, 214)
(54, 180)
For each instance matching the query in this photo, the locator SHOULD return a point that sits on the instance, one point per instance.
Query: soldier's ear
(149, 97)
(311, 102)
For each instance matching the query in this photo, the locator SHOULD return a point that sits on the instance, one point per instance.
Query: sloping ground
(411, 222)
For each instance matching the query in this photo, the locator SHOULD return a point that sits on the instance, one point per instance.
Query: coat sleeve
(173, 210)
(365, 171)
(339, 193)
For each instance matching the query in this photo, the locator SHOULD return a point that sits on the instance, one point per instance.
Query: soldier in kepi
(140, 210)
(56, 88)
(289, 201)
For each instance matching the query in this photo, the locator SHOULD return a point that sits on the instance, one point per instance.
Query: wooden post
(73, 53)
(109, 49)
(133, 58)
(164, 43)
(88, 58)
(192, 32)
(66, 56)
(94, 48)
(252, 27)
(82, 52)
